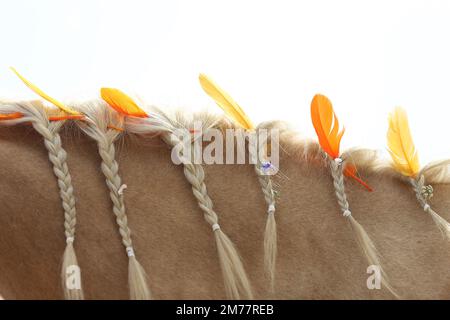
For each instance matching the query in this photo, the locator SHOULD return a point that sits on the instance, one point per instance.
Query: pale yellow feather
(224, 100)
(401, 145)
(45, 96)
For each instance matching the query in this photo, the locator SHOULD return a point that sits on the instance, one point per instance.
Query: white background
(271, 56)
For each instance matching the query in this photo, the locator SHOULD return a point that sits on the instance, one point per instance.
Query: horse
(318, 257)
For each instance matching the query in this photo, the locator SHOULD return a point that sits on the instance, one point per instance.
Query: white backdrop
(272, 56)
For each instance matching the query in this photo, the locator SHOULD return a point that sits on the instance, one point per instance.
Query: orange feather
(326, 125)
(110, 126)
(350, 171)
(66, 117)
(11, 116)
(122, 103)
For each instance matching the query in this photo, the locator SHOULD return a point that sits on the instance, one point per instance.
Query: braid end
(237, 285)
(71, 275)
(137, 280)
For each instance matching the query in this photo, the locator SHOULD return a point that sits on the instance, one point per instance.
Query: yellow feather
(38, 91)
(223, 100)
(401, 145)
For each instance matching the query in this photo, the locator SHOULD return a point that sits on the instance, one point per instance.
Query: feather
(11, 116)
(350, 171)
(326, 125)
(122, 103)
(401, 145)
(43, 95)
(66, 117)
(223, 100)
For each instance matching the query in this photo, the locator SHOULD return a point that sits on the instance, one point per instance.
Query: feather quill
(223, 100)
(11, 116)
(45, 96)
(122, 103)
(401, 145)
(350, 171)
(66, 117)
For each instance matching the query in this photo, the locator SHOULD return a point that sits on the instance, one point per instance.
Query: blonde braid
(423, 194)
(98, 119)
(236, 282)
(266, 184)
(136, 275)
(58, 157)
(36, 114)
(110, 169)
(362, 237)
(270, 232)
(339, 188)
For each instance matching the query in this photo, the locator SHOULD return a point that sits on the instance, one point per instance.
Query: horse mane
(293, 143)
(302, 148)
